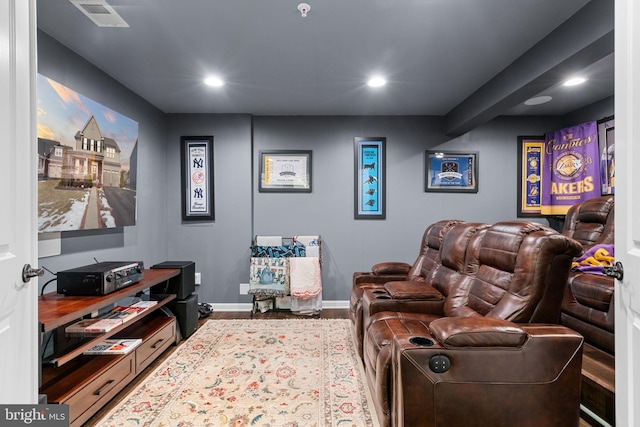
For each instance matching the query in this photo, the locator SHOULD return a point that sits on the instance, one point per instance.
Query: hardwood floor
(325, 314)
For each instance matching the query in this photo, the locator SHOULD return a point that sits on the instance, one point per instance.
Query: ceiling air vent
(100, 13)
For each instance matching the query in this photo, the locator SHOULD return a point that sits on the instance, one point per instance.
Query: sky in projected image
(62, 112)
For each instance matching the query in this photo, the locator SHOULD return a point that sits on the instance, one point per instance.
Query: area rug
(294, 372)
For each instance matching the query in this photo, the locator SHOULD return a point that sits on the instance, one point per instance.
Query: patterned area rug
(294, 372)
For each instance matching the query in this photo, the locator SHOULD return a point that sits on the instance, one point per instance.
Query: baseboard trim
(335, 304)
(234, 306)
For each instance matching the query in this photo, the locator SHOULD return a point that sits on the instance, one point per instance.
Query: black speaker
(183, 284)
(186, 312)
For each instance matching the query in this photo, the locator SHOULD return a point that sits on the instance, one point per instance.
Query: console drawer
(155, 344)
(85, 401)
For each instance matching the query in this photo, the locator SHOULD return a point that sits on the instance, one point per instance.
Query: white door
(18, 162)
(627, 294)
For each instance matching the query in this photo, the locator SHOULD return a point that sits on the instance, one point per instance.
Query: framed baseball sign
(197, 178)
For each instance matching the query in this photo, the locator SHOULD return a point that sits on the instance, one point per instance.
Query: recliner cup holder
(421, 341)
(383, 297)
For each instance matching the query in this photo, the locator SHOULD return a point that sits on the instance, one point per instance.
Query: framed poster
(197, 178)
(530, 163)
(284, 171)
(370, 190)
(451, 172)
(606, 145)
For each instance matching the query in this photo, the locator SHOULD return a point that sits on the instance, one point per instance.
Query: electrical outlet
(198, 279)
(244, 288)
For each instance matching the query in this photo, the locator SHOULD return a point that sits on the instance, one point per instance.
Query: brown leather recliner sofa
(514, 271)
(381, 273)
(588, 306)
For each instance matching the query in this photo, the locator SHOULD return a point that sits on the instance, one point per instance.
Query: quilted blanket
(305, 277)
(269, 276)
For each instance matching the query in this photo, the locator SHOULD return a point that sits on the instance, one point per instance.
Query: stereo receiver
(101, 278)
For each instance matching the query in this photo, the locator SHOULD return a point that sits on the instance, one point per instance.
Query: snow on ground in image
(64, 221)
(107, 219)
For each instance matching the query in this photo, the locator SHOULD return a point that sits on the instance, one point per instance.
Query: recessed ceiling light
(574, 81)
(538, 100)
(376, 82)
(214, 81)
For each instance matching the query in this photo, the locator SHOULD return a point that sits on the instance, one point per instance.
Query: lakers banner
(571, 168)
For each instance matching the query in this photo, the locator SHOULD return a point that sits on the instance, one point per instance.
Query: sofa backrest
(591, 222)
(429, 255)
(521, 269)
(451, 277)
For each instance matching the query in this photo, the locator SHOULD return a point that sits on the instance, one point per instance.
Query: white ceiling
(467, 60)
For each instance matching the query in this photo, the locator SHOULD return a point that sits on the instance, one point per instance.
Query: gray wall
(220, 249)
(354, 245)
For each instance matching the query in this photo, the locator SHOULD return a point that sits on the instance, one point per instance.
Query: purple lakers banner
(571, 173)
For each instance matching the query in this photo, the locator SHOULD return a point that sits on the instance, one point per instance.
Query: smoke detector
(101, 13)
(304, 8)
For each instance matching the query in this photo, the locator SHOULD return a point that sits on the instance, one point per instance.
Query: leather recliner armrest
(592, 290)
(384, 268)
(370, 277)
(453, 332)
(411, 289)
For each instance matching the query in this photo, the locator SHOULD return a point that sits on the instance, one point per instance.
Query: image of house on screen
(87, 156)
(95, 159)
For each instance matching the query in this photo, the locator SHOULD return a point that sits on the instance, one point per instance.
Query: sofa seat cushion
(412, 290)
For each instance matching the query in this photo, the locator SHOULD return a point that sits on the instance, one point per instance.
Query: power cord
(55, 277)
(46, 283)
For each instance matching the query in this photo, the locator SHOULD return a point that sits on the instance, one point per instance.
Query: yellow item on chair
(603, 256)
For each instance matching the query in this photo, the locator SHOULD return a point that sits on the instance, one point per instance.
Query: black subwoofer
(183, 284)
(186, 312)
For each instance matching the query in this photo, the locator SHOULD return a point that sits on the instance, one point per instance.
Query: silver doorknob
(616, 270)
(28, 272)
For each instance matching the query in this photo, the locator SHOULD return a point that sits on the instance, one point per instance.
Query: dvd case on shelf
(114, 346)
(115, 317)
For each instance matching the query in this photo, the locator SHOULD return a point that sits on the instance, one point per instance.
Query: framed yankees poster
(451, 172)
(370, 188)
(197, 178)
